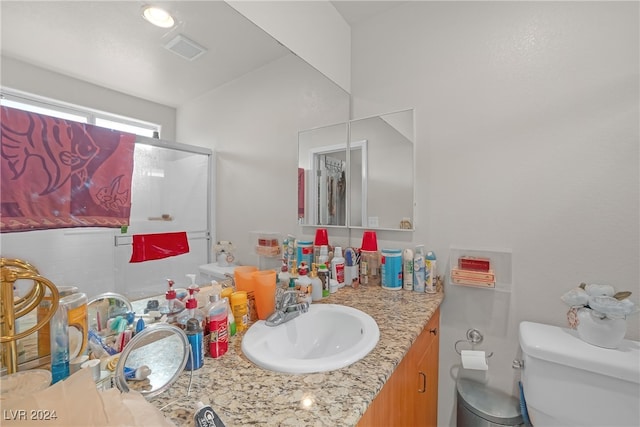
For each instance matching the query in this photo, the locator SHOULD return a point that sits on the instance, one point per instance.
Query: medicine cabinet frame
(392, 176)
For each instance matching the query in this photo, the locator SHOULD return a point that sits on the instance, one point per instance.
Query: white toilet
(568, 382)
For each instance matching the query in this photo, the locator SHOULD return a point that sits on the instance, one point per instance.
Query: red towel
(59, 173)
(147, 247)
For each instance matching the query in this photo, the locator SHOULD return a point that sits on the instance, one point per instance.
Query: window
(50, 107)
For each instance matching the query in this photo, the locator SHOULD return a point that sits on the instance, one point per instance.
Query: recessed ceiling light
(158, 17)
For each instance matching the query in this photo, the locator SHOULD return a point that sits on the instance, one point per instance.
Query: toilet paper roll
(472, 359)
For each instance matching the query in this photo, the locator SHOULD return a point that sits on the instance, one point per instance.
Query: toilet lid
(489, 404)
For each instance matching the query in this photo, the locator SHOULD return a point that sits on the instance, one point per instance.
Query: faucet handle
(304, 306)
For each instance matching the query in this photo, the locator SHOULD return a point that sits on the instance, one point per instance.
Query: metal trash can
(481, 406)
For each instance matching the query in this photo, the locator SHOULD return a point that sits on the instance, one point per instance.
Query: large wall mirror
(358, 174)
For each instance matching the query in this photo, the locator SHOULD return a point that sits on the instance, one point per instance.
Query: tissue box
(474, 263)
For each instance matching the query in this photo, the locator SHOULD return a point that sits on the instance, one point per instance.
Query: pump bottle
(192, 312)
(172, 304)
(316, 284)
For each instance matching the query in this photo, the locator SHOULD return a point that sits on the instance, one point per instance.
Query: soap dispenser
(171, 305)
(316, 284)
(192, 312)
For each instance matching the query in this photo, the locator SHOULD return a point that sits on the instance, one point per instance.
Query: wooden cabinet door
(426, 405)
(424, 370)
(410, 396)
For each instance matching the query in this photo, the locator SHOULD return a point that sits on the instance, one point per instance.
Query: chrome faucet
(287, 308)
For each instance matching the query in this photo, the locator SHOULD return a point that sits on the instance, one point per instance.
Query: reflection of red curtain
(300, 192)
(147, 247)
(59, 173)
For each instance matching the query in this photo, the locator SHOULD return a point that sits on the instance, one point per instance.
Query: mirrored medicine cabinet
(358, 174)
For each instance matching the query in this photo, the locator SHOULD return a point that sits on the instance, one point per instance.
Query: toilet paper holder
(474, 337)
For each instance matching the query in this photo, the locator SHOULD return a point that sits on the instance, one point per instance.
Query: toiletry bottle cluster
(313, 268)
(393, 268)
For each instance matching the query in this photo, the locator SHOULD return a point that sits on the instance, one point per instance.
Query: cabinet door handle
(433, 331)
(423, 376)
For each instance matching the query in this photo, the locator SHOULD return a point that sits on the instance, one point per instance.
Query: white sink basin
(325, 338)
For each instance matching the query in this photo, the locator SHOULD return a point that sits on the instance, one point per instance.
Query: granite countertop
(241, 393)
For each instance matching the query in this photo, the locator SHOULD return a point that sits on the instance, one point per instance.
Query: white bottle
(316, 285)
(323, 258)
(419, 269)
(430, 272)
(407, 269)
(306, 286)
(337, 267)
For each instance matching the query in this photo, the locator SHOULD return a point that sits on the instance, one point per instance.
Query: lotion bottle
(337, 267)
(316, 284)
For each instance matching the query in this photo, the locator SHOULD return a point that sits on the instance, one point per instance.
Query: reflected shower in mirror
(375, 156)
(322, 179)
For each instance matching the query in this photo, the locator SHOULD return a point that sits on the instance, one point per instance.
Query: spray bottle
(419, 269)
(430, 273)
(407, 269)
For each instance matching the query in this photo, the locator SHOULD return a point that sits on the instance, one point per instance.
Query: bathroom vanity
(398, 378)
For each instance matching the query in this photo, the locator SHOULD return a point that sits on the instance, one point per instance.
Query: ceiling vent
(184, 47)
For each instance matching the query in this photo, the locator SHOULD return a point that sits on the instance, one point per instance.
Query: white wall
(25, 77)
(313, 30)
(527, 139)
(252, 124)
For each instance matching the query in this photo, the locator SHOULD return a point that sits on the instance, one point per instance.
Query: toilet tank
(568, 382)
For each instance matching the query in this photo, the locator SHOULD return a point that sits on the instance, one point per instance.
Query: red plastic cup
(322, 237)
(369, 241)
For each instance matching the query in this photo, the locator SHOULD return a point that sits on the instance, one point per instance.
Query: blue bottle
(196, 341)
(59, 341)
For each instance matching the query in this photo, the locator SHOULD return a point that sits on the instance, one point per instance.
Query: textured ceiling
(109, 44)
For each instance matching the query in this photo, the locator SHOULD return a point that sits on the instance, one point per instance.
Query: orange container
(265, 292)
(243, 277)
